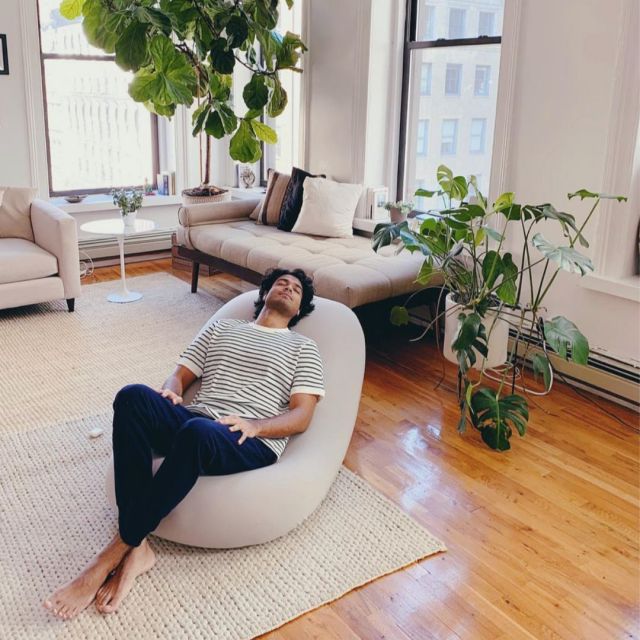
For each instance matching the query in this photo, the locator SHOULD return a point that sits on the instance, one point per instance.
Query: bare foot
(138, 561)
(72, 598)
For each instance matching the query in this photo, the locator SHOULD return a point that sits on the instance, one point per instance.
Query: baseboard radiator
(604, 375)
(103, 248)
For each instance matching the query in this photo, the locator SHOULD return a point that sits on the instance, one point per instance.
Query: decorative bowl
(75, 198)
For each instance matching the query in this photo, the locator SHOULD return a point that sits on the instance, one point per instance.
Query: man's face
(285, 296)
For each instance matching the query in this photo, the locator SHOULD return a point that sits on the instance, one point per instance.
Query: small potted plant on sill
(128, 201)
(493, 292)
(398, 211)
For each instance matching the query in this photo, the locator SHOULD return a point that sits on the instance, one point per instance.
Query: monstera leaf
(562, 334)
(496, 417)
(470, 337)
(567, 258)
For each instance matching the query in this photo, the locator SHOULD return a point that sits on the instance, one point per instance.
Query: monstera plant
(185, 51)
(464, 245)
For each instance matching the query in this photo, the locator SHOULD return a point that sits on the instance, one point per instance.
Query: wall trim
(622, 138)
(34, 97)
(505, 99)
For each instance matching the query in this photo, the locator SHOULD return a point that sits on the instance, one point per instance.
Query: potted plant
(128, 201)
(181, 52)
(490, 289)
(398, 211)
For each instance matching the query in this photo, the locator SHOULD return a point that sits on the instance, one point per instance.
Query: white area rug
(54, 515)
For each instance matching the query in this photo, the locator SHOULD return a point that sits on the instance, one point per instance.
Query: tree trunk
(207, 162)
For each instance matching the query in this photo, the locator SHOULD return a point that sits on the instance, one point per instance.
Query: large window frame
(411, 45)
(155, 144)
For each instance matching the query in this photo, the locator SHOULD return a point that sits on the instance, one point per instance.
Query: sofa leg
(195, 271)
(71, 304)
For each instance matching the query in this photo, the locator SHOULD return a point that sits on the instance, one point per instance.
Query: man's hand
(174, 397)
(249, 428)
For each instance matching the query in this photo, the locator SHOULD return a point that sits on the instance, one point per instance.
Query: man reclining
(260, 385)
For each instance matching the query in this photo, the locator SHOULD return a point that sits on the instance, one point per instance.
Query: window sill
(100, 203)
(628, 288)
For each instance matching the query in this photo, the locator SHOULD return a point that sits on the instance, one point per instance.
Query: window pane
(462, 128)
(486, 23)
(482, 80)
(452, 80)
(423, 137)
(99, 137)
(284, 154)
(457, 19)
(426, 22)
(425, 79)
(61, 36)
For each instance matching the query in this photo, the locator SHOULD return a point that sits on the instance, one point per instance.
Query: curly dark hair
(306, 304)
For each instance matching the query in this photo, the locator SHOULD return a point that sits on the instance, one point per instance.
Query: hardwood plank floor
(543, 541)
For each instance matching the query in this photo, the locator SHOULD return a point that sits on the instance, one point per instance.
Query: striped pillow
(276, 188)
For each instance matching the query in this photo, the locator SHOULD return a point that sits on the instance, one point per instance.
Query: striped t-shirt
(251, 371)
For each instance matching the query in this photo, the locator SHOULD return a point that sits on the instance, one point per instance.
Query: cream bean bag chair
(257, 506)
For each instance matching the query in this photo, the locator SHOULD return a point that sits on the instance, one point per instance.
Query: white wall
(15, 167)
(566, 111)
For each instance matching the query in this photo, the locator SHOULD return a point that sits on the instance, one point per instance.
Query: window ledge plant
(464, 243)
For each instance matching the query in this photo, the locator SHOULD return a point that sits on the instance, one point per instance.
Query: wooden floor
(542, 540)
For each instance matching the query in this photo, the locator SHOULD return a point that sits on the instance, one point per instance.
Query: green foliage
(127, 200)
(182, 51)
(463, 244)
(399, 316)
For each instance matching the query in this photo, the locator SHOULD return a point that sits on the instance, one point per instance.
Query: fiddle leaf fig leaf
(399, 316)
(101, 27)
(278, 100)
(567, 258)
(561, 334)
(256, 93)
(222, 59)
(71, 9)
(131, 47)
(264, 132)
(237, 31)
(244, 145)
(228, 118)
(214, 126)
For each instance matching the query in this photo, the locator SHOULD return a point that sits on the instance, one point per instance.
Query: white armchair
(39, 258)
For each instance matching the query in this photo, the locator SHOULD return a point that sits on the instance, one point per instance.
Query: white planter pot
(130, 220)
(498, 340)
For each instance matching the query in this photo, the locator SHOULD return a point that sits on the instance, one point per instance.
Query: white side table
(115, 227)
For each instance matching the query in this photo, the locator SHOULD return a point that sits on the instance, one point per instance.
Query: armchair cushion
(15, 216)
(22, 260)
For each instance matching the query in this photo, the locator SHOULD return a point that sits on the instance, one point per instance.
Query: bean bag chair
(257, 506)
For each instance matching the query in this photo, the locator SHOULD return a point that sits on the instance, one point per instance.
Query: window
(97, 136)
(284, 155)
(457, 18)
(449, 141)
(486, 22)
(425, 79)
(482, 80)
(423, 137)
(452, 80)
(439, 58)
(428, 22)
(478, 129)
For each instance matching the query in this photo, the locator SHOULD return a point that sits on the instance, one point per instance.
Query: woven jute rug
(54, 515)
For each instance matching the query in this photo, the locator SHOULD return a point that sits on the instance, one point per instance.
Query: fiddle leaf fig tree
(185, 51)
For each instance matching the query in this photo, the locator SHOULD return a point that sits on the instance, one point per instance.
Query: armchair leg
(71, 304)
(195, 271)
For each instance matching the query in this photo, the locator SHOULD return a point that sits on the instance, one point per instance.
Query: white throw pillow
(328, 208)
(15, 212)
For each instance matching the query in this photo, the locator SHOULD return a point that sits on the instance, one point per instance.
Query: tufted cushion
(344, 269)
(22, 260)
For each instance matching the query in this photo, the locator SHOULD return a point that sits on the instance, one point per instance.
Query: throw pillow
(328, 208)
(15, 213)
(272, 203)
(292, 202)
(256, 211)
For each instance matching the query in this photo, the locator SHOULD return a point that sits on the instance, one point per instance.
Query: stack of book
(166, 182)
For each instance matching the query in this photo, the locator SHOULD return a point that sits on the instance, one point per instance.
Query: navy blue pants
(192, 445)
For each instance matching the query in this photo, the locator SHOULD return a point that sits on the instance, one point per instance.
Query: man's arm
(295, 420)
(175, 385)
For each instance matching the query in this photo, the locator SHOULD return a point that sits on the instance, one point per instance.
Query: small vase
(129, 219)
(397, 215)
